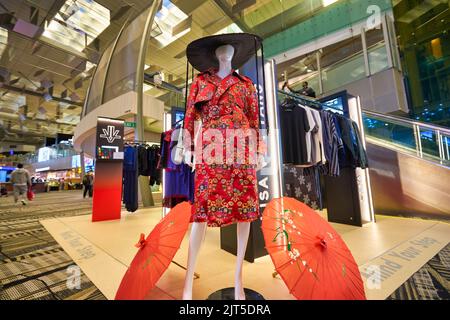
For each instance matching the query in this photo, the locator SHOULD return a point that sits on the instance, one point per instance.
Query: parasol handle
(321, 242)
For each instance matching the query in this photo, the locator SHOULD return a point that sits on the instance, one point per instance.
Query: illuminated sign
(76, 161)
(46, 154)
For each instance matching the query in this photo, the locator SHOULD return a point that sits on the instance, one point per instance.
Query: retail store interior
(372, 75)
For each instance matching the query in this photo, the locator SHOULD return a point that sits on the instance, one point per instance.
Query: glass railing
(421, 139)
(56, 153)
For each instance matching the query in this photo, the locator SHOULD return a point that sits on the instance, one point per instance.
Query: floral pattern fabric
(225, 192)
(303, 184)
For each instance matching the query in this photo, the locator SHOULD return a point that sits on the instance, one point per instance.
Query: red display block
(107, 198)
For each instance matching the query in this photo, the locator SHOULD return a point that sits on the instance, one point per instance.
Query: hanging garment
(153, 156)
(143, 165)
(363, 161)
(225, 193)
(130, 178)
(354, 155)
(162, 163)
(294, 126)
(318, 152)
(332, 142)
(179, 178)
(303, 184)
(309, 135)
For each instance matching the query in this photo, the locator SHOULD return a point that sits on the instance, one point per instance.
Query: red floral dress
(225, 192)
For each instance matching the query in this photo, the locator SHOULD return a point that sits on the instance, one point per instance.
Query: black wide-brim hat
(201, 53)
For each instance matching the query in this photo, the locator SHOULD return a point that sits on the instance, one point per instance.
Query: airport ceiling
(49, 50)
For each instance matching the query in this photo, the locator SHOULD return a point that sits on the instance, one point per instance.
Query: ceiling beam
(37, 94)
(223, 5)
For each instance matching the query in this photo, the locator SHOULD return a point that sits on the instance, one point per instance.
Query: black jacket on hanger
(294, 126)
(354, 155)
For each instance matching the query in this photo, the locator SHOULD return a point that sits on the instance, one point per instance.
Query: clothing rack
(309, 102)
(302, 99)
(141, 142)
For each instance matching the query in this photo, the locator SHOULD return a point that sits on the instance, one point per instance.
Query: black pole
(186, 86)
(264, 88)
(257, 75)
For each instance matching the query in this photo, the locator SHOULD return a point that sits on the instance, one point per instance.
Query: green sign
(130, 124)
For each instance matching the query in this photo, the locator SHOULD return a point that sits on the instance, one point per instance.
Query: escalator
(409, 166)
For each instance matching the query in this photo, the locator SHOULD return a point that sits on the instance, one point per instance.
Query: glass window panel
(430, 147)
(121, 76)
(446, 148)
(378, 59)
(341, 74)
(340, 51)
(342, 63)
(96, 87)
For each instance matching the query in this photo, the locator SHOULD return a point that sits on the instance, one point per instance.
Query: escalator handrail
(420, 124)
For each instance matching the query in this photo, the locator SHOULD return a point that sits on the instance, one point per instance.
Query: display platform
(228, 294)
(103, 250)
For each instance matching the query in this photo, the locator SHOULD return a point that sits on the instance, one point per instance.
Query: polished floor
(32, 264)
(396, 247)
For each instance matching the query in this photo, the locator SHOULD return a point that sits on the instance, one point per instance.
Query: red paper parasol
(155, 254)
(309, 254)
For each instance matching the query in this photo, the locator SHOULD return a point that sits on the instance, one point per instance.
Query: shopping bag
(30, 194)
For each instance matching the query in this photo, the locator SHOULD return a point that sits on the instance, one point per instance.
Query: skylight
(326, 3)
(78, 23)
(232, 28)
(166, 20)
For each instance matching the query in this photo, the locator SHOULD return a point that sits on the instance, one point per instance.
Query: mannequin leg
(198, 231)
(243, 231)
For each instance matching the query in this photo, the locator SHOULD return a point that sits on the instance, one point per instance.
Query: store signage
(107, 198)
(42, 169)
(130, 124)
(110, 134)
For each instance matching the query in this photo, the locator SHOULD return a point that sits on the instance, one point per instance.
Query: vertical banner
(107, 198)
(269, 177)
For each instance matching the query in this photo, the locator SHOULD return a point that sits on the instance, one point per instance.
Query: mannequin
(224, 55)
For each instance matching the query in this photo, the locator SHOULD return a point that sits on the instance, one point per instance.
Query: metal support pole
(139, 131)
(418, 140)
(319, 69)
(387, 41)
(441, 147)
(365, 52)
(447, 153)
(140, 69)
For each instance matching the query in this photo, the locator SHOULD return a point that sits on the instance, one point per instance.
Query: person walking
(88, 181)
(21, 181)
(306, 90)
